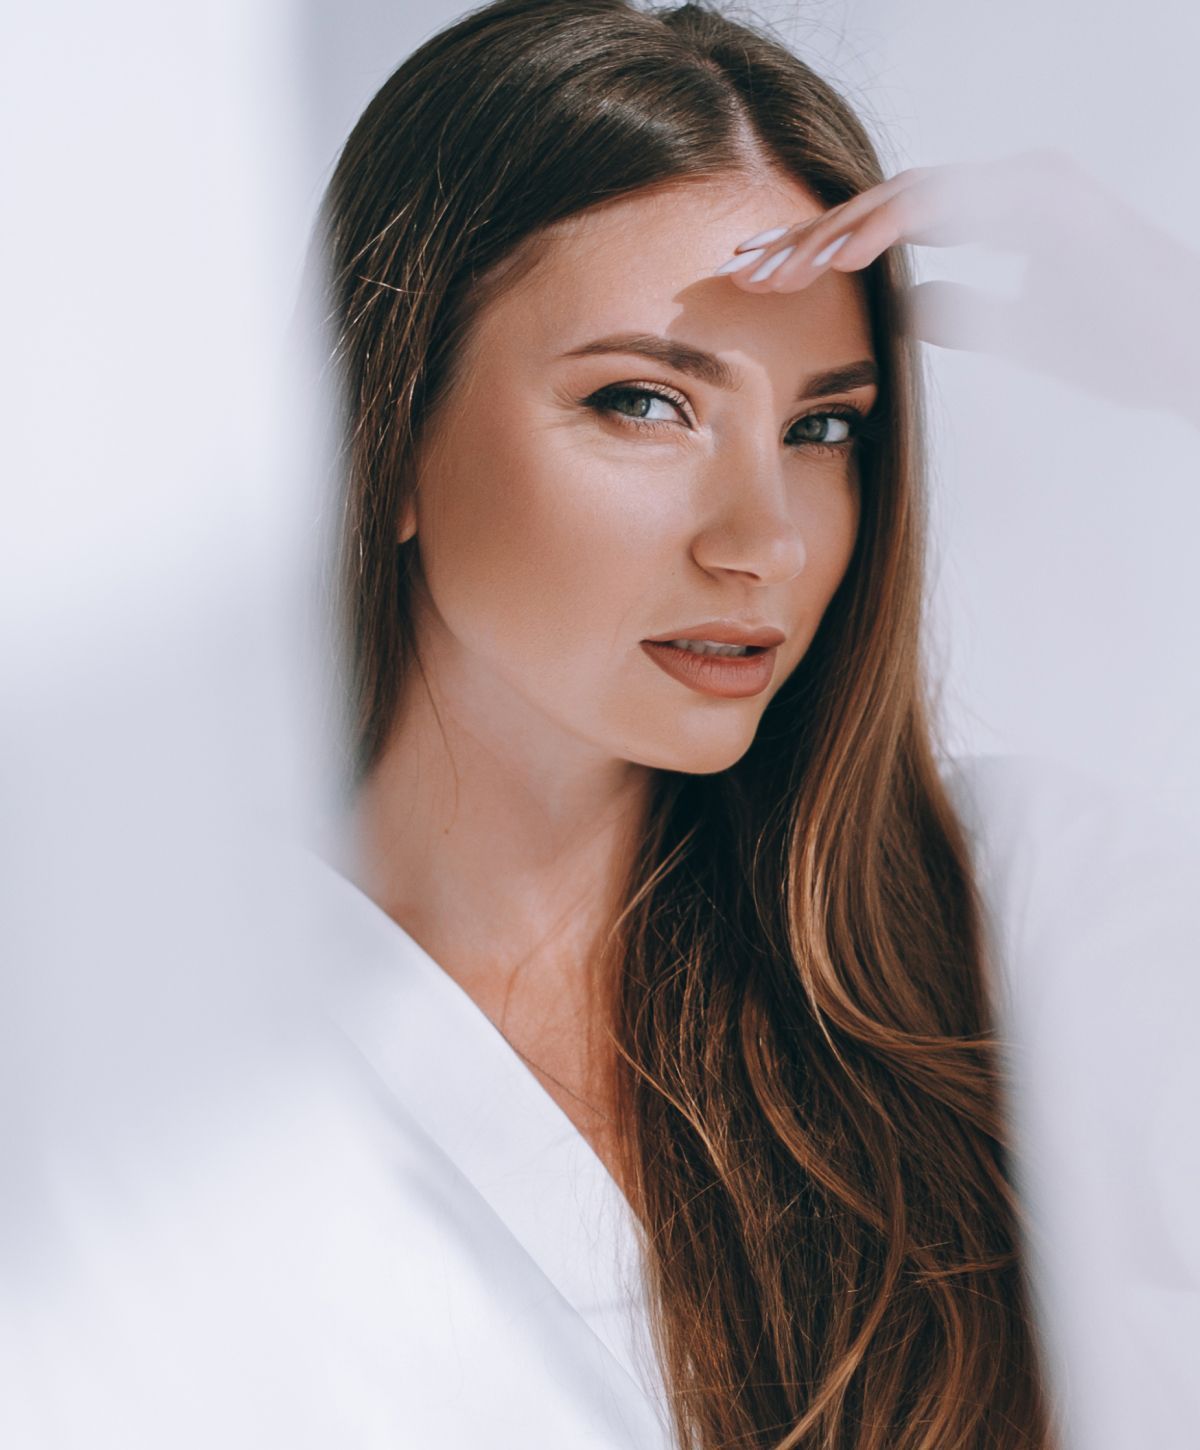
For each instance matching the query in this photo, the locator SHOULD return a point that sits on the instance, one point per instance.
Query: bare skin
(553, 537)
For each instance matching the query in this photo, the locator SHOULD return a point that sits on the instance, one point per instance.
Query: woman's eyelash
(603, 400)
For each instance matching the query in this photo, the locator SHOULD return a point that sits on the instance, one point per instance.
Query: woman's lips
(731, 676)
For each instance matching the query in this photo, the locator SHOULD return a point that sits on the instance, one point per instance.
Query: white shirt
(390, 1235)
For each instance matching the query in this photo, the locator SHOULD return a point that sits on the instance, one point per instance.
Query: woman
(679, 904)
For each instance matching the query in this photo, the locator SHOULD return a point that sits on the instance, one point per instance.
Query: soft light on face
(561, 521)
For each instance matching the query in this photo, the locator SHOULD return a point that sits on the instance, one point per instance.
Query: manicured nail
(771, 263)
(736, 263)
(761, 239)
(822, 257)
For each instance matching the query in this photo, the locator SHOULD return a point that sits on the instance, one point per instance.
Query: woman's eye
(645, 407)
(832, 431)
(835, 432)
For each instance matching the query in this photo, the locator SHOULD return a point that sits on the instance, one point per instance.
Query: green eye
(823, 422)
(833, 430)
(612, 400)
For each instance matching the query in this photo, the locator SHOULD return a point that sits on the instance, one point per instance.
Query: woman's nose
(751, 526)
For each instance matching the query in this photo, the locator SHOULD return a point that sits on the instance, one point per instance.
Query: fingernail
(771, 263)
(736, 263)
(761, 239)
(822, 257)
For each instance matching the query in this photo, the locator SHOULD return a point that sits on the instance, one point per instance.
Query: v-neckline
(456, 1073)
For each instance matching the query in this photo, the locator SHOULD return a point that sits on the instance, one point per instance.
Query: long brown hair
(808, 1082)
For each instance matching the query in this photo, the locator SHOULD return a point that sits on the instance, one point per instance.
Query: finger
(963, 318)
(847, 252)
(825, 239)
(919, 213)
(784, 234)
(812, 233)
(764, 239)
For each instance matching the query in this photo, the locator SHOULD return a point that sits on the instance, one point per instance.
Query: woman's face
(578, 497)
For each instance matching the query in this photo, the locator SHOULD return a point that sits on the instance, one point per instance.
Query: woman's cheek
(518, 558)
(830, 522)
(477, 554)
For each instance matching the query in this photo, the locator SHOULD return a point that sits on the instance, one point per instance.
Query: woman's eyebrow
(709, 368)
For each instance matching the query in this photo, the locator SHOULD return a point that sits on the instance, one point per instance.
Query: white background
(162, 507)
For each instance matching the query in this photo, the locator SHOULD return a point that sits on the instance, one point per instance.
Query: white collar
(468, 1088)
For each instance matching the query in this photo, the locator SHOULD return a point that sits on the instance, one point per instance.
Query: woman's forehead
(645, 264)
(681, 221)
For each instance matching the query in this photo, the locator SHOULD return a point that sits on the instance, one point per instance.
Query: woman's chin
(699, 755)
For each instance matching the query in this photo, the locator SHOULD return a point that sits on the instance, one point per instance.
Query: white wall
(162, 512)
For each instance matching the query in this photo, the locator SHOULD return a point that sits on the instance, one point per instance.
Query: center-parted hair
(810, 1092)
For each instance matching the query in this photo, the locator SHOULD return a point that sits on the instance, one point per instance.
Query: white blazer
(389, 1236)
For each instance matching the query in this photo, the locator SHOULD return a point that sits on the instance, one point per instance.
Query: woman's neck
(505, 857)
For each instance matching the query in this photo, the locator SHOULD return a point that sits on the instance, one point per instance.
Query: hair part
(808, 1080)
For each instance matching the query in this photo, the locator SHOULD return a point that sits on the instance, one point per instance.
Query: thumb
(950, 315)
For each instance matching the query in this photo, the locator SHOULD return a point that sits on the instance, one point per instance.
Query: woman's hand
(1108, 300)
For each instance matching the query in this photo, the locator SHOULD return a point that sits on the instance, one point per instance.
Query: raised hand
(1109, 301)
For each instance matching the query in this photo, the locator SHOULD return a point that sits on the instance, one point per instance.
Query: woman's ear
(408, 521)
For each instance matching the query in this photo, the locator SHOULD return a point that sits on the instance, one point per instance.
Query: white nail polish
(822, 257)
(737, 262)
(771, 263)
(764, 239)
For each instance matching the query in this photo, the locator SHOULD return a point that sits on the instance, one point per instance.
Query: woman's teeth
(703, 647)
